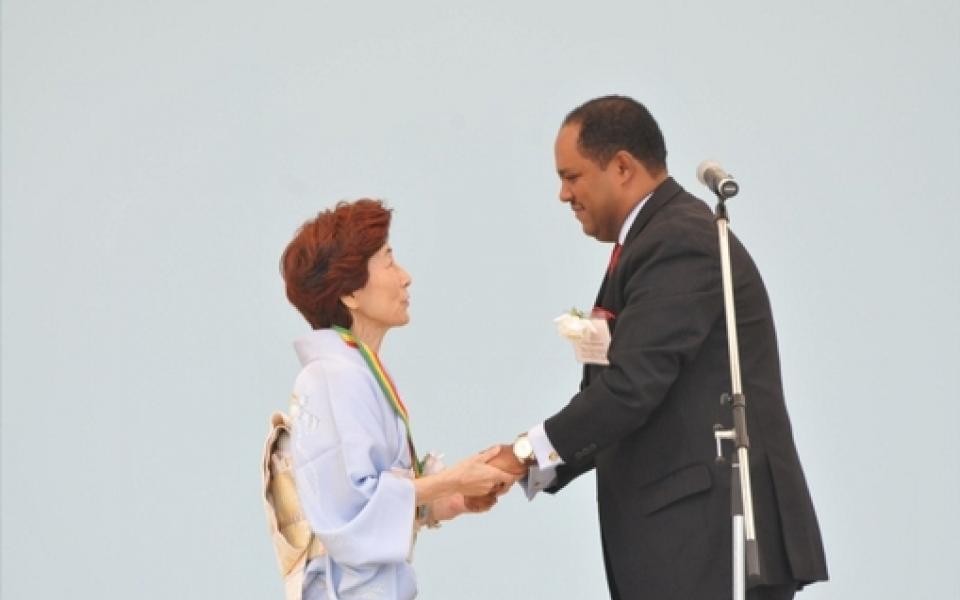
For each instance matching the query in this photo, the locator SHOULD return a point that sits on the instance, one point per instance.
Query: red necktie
(614, 258)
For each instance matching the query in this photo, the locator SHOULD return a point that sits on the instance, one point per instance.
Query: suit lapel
(663, 194)
(660, 197)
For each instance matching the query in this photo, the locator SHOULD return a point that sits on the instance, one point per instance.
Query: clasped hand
(475, 483)
(500, 457)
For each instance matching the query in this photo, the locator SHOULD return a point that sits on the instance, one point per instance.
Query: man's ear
(625, 165)
(628, 168)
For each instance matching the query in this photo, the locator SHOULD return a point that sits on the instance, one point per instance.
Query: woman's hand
(479, 504)
(474, 477)
(470, 477)
(453, 506)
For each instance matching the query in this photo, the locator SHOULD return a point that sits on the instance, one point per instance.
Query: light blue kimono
(351, 460)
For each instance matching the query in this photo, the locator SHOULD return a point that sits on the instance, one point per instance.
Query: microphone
(721, 183)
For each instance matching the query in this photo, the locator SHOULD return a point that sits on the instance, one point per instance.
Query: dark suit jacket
(646, 421)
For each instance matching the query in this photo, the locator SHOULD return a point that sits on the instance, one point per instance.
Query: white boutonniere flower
(574, 325)
(432, 463)
(590, 336)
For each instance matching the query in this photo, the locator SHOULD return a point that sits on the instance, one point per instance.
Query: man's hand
(506, 460)
(503, 458)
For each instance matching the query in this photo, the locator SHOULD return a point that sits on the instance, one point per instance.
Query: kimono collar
(325, 344)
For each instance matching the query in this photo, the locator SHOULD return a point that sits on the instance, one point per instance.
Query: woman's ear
(349, 301)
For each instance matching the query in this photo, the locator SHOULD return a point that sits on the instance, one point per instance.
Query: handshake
(477, 482)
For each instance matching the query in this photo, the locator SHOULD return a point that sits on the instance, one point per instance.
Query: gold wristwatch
(523, 450)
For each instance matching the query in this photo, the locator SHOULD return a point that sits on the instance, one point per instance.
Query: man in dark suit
(645, 421)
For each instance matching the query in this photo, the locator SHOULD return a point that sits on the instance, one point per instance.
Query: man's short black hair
(612, 123)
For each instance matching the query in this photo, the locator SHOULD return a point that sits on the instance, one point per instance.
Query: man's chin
(590, 231)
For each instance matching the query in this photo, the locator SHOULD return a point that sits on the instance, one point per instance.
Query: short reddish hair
(327, 259)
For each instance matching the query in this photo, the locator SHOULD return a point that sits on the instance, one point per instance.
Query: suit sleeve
(567, 473)
(672, 298)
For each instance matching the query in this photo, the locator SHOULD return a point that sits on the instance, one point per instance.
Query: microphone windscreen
(703, 168)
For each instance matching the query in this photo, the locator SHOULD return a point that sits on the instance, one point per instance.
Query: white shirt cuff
(537, 480)
(547, 456)
(544, 473)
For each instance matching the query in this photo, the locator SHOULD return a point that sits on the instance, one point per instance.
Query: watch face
(523, 448)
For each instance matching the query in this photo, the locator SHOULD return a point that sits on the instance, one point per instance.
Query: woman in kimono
(360, 482)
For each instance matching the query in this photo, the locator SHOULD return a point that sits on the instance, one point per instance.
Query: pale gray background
(157, 156)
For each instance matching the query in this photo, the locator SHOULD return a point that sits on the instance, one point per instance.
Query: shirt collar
(628, 223)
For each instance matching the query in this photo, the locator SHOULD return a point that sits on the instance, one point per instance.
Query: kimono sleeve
(345, 445)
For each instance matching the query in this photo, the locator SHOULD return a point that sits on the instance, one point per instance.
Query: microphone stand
(746, 559)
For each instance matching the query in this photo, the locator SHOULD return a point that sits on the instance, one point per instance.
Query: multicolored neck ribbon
(386, 385)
